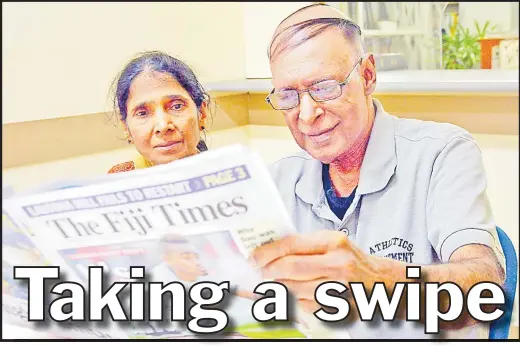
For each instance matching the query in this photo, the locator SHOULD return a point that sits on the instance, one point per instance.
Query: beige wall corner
(59, 59)
(39, 141)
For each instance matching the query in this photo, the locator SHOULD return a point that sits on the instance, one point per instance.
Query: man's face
(186, 265)
(326, 130)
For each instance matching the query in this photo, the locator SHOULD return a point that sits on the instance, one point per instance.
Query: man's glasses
(322, 91)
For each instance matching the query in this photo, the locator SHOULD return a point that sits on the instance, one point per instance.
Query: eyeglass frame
(340, 84)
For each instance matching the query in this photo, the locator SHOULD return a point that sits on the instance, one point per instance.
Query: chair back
(499, 329)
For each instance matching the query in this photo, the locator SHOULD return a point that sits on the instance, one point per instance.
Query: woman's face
(162, 119)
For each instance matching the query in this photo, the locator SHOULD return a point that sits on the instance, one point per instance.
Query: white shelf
(398, 32)
(405, 81)
(414, 21)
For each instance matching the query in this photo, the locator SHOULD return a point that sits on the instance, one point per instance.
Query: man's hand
(303, 262)
(247, 294)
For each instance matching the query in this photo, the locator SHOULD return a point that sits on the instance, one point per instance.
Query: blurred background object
(439, 35)
(509, 54)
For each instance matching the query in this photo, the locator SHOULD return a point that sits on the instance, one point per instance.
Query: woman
(163, 109)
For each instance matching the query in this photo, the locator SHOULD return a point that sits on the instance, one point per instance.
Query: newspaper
(19, 249)
(192, 220)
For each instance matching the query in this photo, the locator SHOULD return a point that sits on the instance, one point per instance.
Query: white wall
(60, 58)
(514, 16)
(260, 21)
(498, 13)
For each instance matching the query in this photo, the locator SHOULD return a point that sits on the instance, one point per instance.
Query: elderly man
(370, 193)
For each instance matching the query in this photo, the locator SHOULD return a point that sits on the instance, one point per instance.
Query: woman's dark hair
(158, 62)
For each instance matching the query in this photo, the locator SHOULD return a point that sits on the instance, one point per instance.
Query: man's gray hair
(285, 39)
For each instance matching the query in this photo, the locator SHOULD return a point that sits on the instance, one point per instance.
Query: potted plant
(486, 45)
(462, 50)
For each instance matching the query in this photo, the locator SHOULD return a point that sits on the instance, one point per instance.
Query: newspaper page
(19, 249)
(193, 220)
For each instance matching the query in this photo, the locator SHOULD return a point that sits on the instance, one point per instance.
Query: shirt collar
(377, 168)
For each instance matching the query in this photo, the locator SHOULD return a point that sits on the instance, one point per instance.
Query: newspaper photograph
(193, 220)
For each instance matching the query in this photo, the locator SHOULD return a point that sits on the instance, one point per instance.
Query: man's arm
(303, 262)
(460, 223)
(468, 266)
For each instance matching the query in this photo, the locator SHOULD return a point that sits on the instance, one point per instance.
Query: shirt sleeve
(458, 209)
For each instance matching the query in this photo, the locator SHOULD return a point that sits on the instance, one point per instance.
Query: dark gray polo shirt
(421, 195)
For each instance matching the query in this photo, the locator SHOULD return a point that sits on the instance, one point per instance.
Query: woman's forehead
(152, 85)
(150, 80)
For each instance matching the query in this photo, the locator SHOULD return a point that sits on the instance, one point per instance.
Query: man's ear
(368, 74)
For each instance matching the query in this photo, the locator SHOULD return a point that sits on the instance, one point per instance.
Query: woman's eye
(177, 106)
(141, 113)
